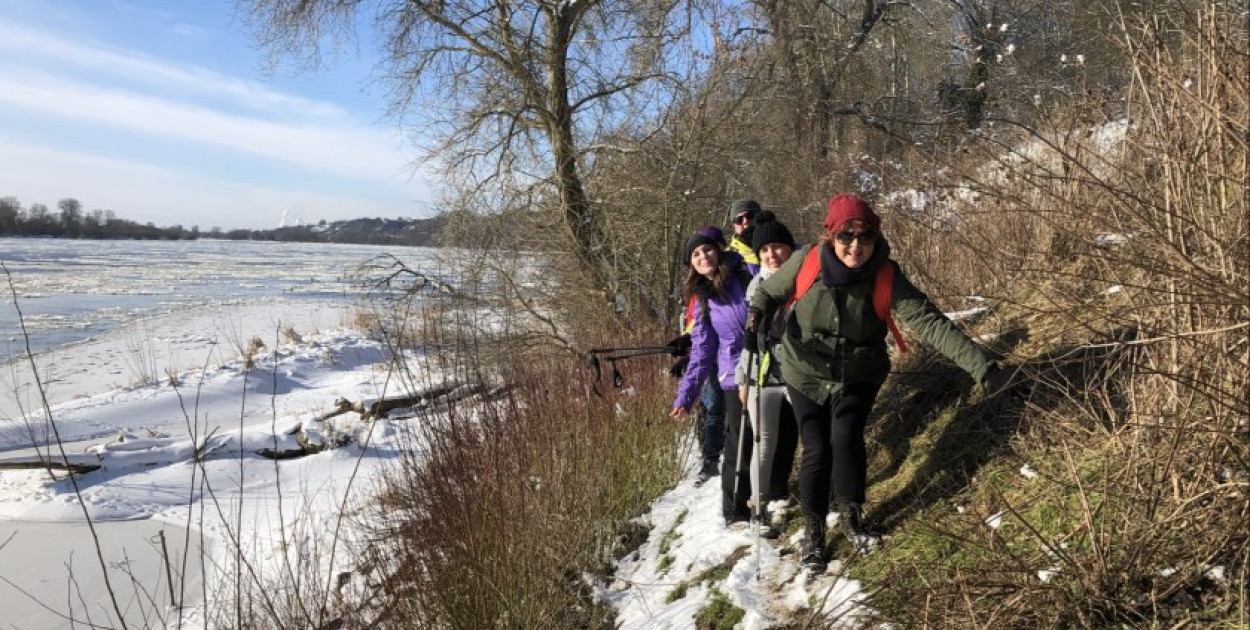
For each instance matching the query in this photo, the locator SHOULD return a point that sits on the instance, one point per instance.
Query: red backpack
(882, 290)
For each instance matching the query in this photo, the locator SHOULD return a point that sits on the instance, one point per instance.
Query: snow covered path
(668, 581)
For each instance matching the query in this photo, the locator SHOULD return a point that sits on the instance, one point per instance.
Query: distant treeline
(71, 221)
(412, 232)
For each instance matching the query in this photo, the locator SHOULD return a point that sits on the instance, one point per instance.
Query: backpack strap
(882, 290)
(688, 325)
(882, 295)
(807, 275)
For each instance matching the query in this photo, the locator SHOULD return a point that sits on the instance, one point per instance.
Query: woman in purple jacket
(715, 343)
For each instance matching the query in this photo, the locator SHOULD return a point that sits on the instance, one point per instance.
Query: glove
(751, 340)
(679, 367)
(996, 380)
(679, 346)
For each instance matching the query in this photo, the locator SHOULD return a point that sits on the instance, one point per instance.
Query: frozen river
(70, 291)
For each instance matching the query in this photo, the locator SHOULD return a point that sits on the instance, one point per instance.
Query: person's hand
(750, 344)
(997, 379)
(742, 395)
(750, 340)
(679, 346)
(678, 413)
(679, 367)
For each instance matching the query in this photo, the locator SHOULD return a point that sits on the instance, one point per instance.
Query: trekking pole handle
(615, 349)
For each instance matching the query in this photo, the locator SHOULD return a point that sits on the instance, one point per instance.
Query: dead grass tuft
(1117, 472)
(499, 510)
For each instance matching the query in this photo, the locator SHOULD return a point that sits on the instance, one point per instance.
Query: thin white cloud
(47, 50)
(189, 30)
(316, 159)
(356, 153)
(147, 193)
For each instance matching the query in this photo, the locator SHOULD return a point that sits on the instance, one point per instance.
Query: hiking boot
(736, 514)
(851, 521)
(813, 550)
(766, 528)
(709, 469)
(779, 510)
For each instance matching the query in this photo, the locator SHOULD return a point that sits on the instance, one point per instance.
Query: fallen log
(291, 453)
(307, 446)
(440, 397)
(73, 467)
(437, 397)
(341, 406)
(379, 408)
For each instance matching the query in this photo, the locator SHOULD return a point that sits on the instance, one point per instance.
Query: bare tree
(513, 91)
(816, 42)
(10, 213)
(71, 216)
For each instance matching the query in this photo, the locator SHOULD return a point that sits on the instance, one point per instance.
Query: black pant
(736, 425)
(834, 453)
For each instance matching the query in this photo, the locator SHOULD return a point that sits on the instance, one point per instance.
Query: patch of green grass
(712, 574)
(922, 541)
(666, 563)
(666, 543)
(721, 571)
(918, 460)
(719, 614)
(1070, 508)
(677, 593)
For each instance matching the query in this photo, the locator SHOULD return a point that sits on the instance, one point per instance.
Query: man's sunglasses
(742, 218)
(867, 237)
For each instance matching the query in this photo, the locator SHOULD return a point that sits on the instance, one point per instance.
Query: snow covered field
(145, 440)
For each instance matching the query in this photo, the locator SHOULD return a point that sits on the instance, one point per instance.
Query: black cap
(769, 230)
(700, 239)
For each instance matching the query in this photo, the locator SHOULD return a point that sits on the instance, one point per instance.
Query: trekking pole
(594, 359)
(640, 350)
(742, 425)
(755, 455)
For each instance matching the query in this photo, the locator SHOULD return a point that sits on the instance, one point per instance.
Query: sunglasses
(867, 237)
(742, 218)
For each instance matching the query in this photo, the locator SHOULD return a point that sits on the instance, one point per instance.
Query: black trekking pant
(738, 436)
(834, 453)
(783, 457)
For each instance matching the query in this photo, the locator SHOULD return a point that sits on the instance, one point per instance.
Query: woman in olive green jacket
(833, 359)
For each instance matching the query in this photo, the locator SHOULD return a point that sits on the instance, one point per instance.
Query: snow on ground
(144, 437)
(664, 584)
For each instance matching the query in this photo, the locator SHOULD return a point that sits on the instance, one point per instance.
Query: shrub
(494, 516)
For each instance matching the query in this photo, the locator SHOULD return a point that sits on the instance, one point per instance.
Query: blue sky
(162, 111)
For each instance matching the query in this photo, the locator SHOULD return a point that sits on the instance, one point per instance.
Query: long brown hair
(720, 277)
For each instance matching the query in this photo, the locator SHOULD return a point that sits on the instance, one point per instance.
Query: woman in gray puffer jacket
(772, 417)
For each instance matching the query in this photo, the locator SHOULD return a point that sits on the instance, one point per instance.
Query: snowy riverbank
(144, 437)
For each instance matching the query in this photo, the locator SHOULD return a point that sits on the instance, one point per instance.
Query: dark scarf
(748, 235)
(835, 274)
